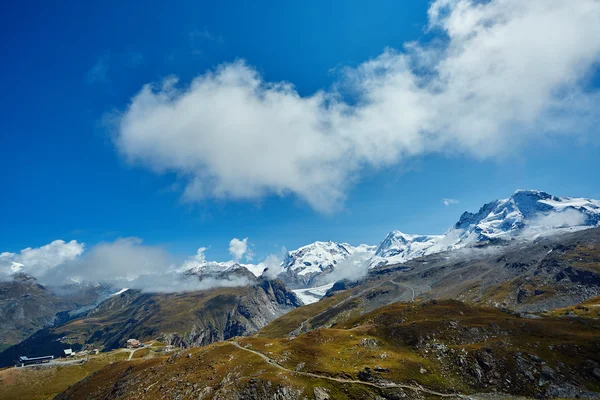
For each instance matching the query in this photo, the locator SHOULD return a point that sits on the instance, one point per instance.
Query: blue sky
(67, 70)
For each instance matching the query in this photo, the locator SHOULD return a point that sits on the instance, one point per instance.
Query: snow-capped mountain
(303, 266)
(398, 247)
(320, 256)
(212, 268)
(524, 215)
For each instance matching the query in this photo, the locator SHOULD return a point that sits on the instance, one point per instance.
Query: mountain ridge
(525, 215)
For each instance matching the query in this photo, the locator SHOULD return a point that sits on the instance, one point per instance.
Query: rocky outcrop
(27, 306)
(180, 319)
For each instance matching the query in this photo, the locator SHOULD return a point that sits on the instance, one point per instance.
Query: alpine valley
(504, 304)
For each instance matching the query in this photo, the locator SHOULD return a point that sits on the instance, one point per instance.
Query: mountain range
(505, 301)
(312, 270)
(524, 216)
(518, 321)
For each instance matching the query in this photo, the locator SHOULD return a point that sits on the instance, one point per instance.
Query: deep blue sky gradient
(61, 177)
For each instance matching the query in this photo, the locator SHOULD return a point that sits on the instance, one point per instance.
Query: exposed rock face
(183, 319)
(245, 315)
(26, 306)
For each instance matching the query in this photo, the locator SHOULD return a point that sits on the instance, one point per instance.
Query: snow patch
(119, 292)
(312, 295)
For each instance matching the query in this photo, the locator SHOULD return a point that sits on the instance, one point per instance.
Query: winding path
(405, 285)
(342, 380)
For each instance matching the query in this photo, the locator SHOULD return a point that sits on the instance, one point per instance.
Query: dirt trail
(405, 285)
(132, 352)
(342, 380)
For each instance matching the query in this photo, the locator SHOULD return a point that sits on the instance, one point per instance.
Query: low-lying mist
(123, 263)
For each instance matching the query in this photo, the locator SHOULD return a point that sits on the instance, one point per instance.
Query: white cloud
(239, 248)
(272, 265)
(353, 268)
(501, 73)
(449, 202)
(198, 260)
(125, 262)
(566, 218)
(38, 261)
(124, 259)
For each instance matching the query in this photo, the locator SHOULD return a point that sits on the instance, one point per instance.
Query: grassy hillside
(588, 309)
(45, 382)
(417, 350)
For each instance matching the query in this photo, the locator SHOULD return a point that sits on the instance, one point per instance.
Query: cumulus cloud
(128, 262)
(125, 262)
(194, 262)
(170, 282)
(40, 260)
(449, 202)
(273, 264)
(239, 248)
(496, 75)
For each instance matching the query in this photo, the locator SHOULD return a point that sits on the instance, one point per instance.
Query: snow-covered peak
(398, 247)
(316, 257)
(319, 257)
(396, 242)
(525, 214)
(204, 268)
(119, 292)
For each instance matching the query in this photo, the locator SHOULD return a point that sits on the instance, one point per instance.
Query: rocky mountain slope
(183, 319)
(429, 350)
(519, 319)
(26, 306)
(524, 216)
(551, 272)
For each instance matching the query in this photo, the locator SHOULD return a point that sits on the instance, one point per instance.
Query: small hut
(133, 344)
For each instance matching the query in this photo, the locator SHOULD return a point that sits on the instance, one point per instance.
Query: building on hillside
(24, 360)
(134, 344)
(69, 352)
